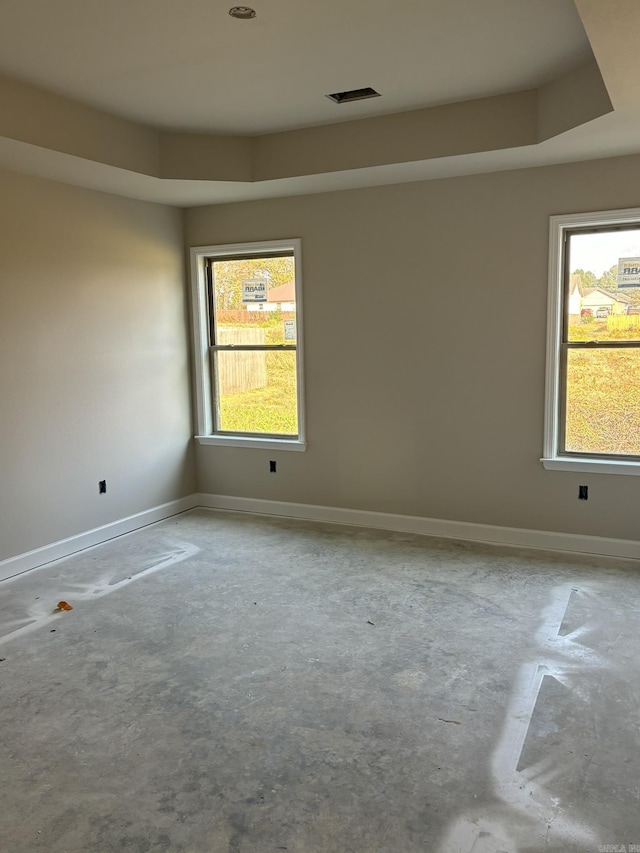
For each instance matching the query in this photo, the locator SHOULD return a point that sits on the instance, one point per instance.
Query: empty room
(320, 426)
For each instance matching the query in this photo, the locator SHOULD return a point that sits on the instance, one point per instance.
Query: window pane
(254, 301)
(257, 392)
(603, 401)
(604, 285)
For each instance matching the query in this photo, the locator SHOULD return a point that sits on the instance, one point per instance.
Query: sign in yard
(254, 290)
(629, 272)
(289, 330)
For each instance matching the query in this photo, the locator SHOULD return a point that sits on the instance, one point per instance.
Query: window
(247, 316)
(592, 408)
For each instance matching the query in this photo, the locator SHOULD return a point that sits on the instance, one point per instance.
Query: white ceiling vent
(353, 95)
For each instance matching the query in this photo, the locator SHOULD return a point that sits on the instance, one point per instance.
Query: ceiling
(182, 104)
(188, 65)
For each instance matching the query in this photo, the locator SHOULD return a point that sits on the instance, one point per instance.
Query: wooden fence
(623, 322)
(241, 371)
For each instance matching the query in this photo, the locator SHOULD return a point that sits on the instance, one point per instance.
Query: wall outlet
(272, 467)
(583, 493)
(102, 487)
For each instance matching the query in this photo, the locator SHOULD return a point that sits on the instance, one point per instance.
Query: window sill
(592, 466)
(260, 443)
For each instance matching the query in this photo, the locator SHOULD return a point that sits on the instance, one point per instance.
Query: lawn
(271, 408)
(603, 388)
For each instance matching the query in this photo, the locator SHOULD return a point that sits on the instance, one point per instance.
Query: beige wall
(425, 309)
(94, 379)
(425, 331)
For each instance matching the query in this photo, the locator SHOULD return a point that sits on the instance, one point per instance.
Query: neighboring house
(597, 297)
(281, 298)
(591, 299)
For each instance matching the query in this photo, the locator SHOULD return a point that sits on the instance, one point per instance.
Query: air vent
(353, 95)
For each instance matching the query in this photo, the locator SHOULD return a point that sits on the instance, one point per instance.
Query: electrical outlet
(583, 493)
(272, 467)
(102, 487)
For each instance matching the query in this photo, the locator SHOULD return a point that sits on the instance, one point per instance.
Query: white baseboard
(487, 533)
(65, 547)
(469, 531)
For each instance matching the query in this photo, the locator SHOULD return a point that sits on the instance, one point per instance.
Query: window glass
(603, 401)
(254, 300)
(599, 409)
(603, 287)
(253, 333)
(257, 392)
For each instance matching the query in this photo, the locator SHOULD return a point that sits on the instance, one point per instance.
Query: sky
(599, 252)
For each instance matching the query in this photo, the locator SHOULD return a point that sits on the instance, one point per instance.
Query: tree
(229, 275)
(634, 294)
(587, 278)
(609, 279)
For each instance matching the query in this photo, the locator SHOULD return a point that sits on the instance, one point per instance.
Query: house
(385, 707)
(588, 300)
(595, 298)
(280, 298)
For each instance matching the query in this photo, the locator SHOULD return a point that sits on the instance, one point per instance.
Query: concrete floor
(241, 684)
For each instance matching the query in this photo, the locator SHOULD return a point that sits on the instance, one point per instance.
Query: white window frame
(202, 363)
(552, 459)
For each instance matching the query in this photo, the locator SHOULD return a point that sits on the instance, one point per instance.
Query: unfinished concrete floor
(242, 684)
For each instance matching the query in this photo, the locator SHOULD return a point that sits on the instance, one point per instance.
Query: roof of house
(617, 297)
(575, 283)
(282, 293)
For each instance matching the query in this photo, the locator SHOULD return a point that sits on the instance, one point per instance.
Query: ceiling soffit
(525, 118)
(588, 112)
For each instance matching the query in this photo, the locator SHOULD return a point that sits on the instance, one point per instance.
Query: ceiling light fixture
(243, 13)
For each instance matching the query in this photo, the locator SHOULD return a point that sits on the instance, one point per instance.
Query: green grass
(603, 401)
(271, 409)
(603, 388)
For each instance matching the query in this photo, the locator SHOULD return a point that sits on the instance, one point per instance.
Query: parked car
(586, 312)
(602, 311)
